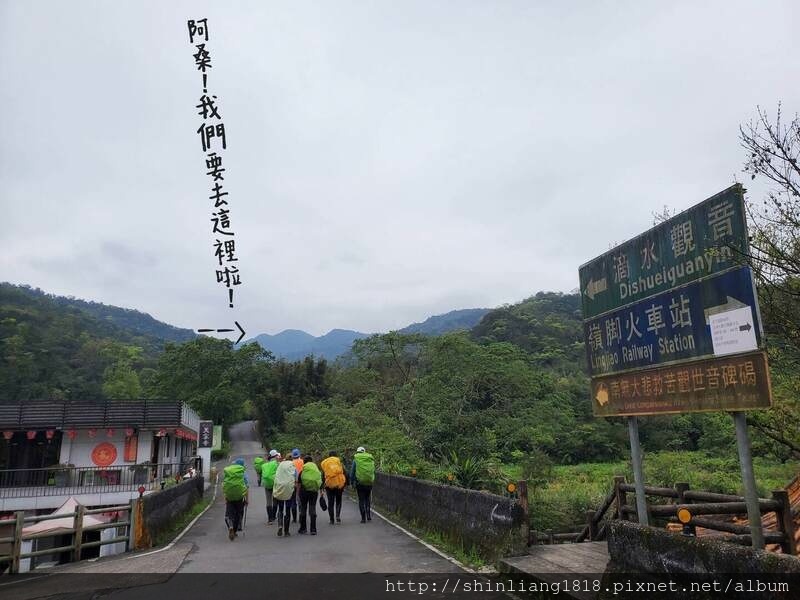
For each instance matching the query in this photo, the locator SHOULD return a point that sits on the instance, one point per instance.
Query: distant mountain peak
(295, 344)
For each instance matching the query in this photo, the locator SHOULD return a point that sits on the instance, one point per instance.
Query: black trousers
(364, 504)
(334, 498)
(293, 505)
(308, 504)
(234, 510)
(282, 513)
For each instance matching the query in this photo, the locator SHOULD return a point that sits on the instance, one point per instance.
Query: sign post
(749, 480)
(672, 325)
(638, 471)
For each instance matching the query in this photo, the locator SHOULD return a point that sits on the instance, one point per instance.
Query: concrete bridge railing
(491, 524)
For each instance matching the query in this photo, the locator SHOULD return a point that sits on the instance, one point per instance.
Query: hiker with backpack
(234, 488)
(257, 462)
(298, 461)
(362, 475)
(309, 489)
(268, 470)
(333, 482)
(283, 492)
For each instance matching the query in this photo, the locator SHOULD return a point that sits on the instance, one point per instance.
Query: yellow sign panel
(729, 383)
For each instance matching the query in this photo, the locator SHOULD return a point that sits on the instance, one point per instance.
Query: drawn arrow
(730, 304)
(226, 331)
(745, 327)
(595, 287)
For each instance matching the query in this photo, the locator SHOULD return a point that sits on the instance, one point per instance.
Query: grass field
(571, 490)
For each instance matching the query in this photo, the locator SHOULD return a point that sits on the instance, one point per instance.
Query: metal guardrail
(59, 481)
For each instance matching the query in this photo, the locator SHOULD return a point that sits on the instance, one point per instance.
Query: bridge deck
(551, 563)
(588, 557)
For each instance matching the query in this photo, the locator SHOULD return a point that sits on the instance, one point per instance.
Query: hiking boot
(363, 520)
(313, 532)
(231, 533)
(369, 517)
(280, 531)
(338, 519)
(287, 534)
(302, 531)
(331, 521)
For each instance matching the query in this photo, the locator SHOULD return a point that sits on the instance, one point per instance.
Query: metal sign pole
(749, 479)
(638, 471)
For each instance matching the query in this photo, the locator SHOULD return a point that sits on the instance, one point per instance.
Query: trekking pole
(244, 519)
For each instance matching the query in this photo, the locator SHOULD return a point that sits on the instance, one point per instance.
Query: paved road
(349, 547)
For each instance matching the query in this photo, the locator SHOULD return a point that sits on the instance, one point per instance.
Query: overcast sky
(386, 161)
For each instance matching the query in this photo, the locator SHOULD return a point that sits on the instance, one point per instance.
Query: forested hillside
(65, 348)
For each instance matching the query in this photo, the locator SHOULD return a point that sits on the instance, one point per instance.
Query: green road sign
(701, 241)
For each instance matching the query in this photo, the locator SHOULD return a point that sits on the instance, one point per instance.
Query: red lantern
(92, 433)
(31, 435)
(71, 433)
(7, 435)
(49, 434)
(110, 432)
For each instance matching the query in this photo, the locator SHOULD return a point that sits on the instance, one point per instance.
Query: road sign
(677, 325)
(206, 434)
(738, 382)
(217, 438)
(706, 239)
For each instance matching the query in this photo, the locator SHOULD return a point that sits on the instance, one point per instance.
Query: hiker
(283, 492)
(362, 475)
(234, 488)
(334, 483)
(257, 462)
(268, 470)
(298, 465)
(310, 488)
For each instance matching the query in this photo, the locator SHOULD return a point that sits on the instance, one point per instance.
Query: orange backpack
(334, 473)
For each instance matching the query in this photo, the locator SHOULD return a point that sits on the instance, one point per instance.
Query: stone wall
(493, 525)
(635, 548)
(157, 512)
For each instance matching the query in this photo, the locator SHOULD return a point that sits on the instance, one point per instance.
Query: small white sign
(733, 331)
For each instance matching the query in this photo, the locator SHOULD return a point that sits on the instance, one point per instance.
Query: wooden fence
(76, 532)
(701, 512)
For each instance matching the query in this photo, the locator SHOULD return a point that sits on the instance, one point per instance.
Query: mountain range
(294, 344)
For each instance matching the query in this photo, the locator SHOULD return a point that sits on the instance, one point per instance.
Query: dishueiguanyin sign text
(706, 239)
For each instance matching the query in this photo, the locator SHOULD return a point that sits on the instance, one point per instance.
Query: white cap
(273, 453)
(360, 449)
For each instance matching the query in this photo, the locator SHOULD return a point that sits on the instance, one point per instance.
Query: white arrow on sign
(595, 287)
(730, 304)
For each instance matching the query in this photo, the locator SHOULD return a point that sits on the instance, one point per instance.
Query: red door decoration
(31, 435)
(110, 432)
(131, 448)
(104, 454)
(49, 434)
(71, 434)
(92, 433)
(7, 435)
